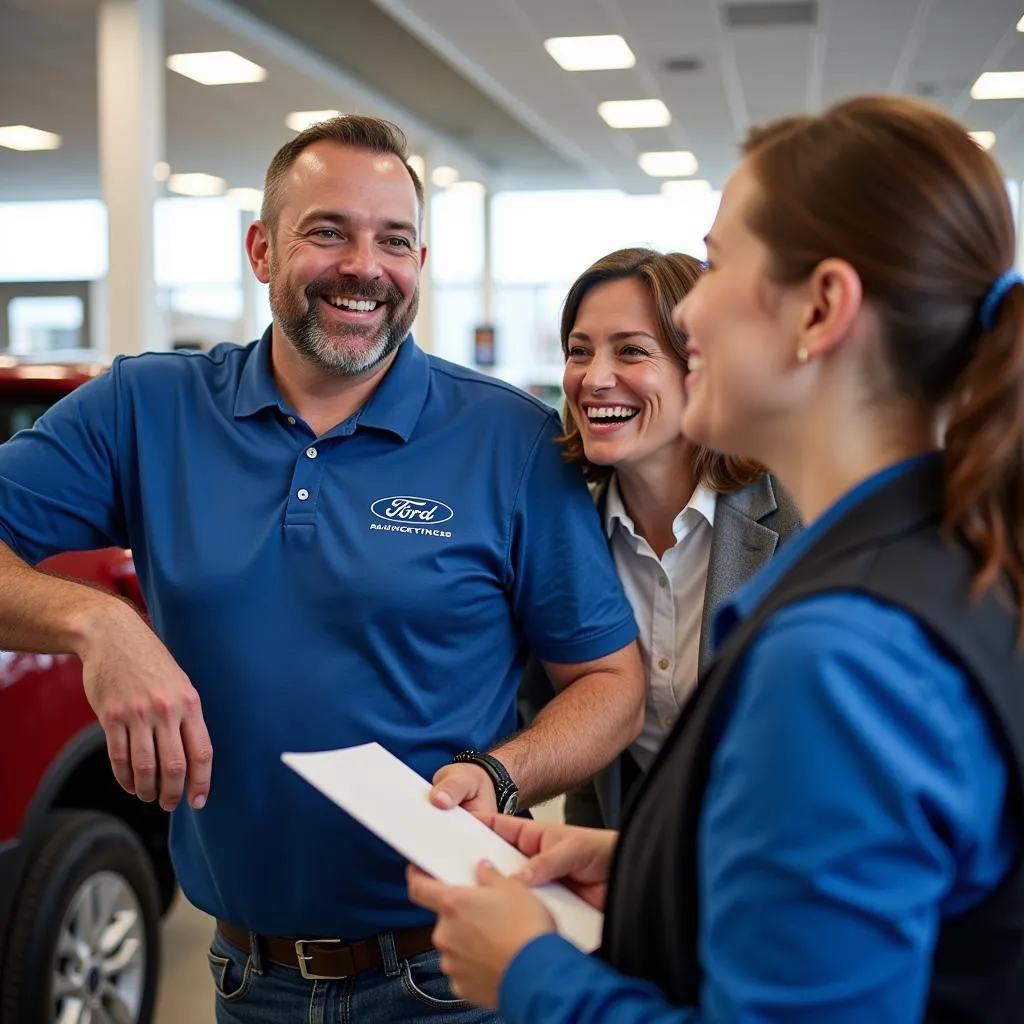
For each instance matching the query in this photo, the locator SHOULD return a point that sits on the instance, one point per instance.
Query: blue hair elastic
(990, 307)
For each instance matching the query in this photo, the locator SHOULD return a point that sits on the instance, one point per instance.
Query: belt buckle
(303, 958)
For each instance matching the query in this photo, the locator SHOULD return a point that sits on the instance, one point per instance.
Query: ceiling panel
(474, 76)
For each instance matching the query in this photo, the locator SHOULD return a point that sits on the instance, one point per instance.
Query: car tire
(86, 926)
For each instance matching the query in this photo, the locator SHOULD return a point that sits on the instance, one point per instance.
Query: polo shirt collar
(395, 406)
(256, 387)
(397, 403)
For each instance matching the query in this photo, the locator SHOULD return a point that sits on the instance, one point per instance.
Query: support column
(488, 270)
(130, 55)
(423, 327)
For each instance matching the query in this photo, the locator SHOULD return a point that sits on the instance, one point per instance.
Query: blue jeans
(412, 991)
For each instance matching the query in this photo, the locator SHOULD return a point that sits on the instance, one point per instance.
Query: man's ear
(257, 248)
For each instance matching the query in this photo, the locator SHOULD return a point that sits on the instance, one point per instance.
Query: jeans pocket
(231, 970)
(423, 980)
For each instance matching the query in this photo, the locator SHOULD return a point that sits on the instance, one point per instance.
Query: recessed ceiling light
(1020, 25)
(999, 85)
(196, 184)
(984, 139)
(590, 53)
(690, 189)
(218, 67)
(26, 139)
(246, 198)
(300, 120)
(635, 113)
(668, 164)
(444, 177)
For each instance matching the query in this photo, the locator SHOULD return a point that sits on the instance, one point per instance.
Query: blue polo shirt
(856, 798)
(380, 582)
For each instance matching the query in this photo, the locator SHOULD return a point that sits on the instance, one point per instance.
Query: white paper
(392, 801)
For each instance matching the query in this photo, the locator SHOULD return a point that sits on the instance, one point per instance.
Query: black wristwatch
(506, 791)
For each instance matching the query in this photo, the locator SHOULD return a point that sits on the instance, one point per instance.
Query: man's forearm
(581, 731)
(48, 614)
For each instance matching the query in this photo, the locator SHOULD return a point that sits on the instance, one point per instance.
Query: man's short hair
(357, 131)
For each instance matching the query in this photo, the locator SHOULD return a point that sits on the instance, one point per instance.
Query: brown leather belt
(330, 959)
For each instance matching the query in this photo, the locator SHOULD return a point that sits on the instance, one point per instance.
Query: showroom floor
(186, 991)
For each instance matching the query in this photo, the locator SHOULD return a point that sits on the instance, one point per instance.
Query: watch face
(511, 804)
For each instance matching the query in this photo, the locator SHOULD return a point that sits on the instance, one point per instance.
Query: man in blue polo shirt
(340, 539)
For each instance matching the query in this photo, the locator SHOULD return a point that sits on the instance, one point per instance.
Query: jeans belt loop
(389, 954)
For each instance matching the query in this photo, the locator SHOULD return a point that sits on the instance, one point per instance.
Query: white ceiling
(471, 79)
(48, 79)
(930, 48)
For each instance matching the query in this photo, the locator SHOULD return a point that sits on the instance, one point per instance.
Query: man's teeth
(611, 412)
(695, 364)
(357, 305)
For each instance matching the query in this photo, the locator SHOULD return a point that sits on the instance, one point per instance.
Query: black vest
(890, 547)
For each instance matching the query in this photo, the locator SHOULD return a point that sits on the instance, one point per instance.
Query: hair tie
(994, 299)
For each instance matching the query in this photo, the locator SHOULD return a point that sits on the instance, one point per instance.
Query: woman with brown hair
(834, 832)
(686, 526)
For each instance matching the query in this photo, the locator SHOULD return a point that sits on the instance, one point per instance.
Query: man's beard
(331, 349)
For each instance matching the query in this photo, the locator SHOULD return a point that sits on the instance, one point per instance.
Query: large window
(544, 240)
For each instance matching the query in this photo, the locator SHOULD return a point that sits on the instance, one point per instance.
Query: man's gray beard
(323, 349)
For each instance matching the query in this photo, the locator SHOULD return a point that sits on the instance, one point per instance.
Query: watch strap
(505, 789)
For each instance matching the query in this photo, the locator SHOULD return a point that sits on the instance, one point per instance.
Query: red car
(85, 874)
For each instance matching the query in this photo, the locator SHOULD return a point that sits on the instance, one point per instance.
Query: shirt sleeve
(565, 591)
(856, 796)
(552, 982)
(59, 486)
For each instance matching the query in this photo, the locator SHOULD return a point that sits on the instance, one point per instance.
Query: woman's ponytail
(985, 445)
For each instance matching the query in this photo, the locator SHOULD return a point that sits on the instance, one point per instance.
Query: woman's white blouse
(667, 596)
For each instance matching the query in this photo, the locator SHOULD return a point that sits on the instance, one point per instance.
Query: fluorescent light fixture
(999, 85)
(418, 164)
(634, 113)
(590, 53)
(300, 120)
(679, 163)
(692, 188)
(246, 198)
(444, 177)
(984, 139)
(218, 67)
(26, 139)
(196, 184)
(161, 171)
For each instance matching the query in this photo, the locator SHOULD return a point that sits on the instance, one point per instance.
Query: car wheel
(84, 943)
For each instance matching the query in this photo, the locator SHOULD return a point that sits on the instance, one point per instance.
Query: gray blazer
(749, 525)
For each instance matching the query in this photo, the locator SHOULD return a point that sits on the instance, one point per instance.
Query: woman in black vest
(834, 832)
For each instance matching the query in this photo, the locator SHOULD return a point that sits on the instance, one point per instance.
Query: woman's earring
(802, 355)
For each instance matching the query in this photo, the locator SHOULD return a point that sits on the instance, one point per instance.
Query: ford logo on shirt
(407, 509)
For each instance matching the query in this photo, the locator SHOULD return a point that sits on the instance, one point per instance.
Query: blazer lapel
(740, 545)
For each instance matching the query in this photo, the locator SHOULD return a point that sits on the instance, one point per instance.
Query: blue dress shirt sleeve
(565, 590)
(856, 797)
(59, 486)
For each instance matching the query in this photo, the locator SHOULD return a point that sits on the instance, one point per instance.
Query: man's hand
(480, 928)
(149, 710)
(580, 858)
(464, 785)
